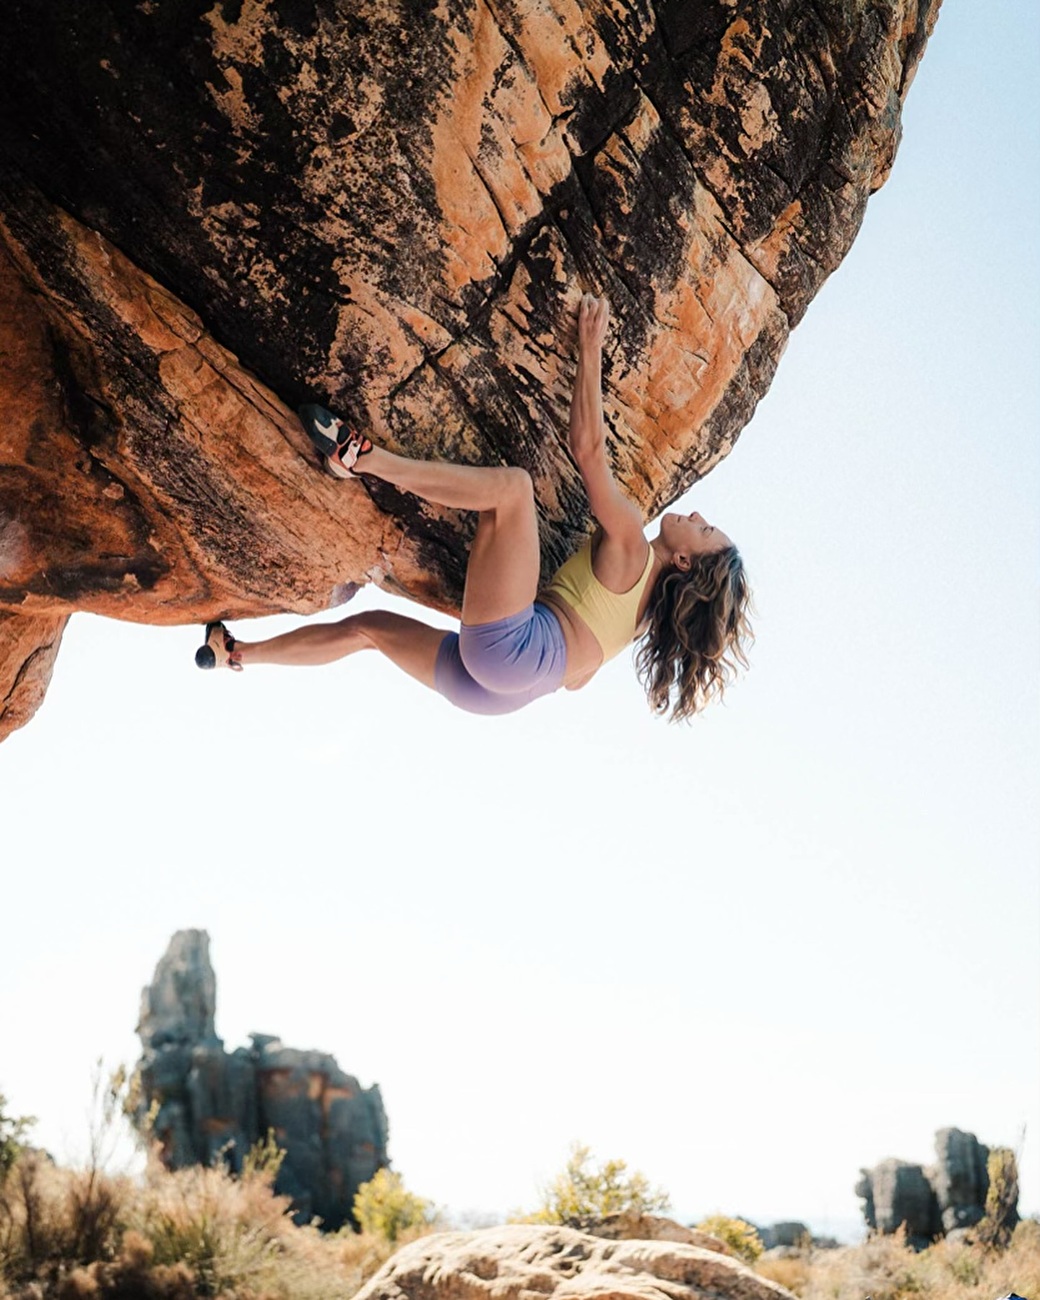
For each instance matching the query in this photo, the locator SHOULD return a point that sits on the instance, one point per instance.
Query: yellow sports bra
(611, 617)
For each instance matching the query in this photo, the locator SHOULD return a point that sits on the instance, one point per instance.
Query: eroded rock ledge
(210, 211)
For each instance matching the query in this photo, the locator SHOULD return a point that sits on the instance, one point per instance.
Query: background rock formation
(960, 1178)
(896, 1192)
(520, 1261)
(932, 1201)
(791, 1235)
(631, 1225)
(211, 1105)
(213, 209)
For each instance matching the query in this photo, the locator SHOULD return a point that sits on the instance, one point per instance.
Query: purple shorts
(499, 667)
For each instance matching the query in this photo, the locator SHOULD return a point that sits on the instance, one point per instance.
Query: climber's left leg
(406, 642)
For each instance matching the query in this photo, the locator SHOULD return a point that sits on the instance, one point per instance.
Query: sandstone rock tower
(943, 1199)
(213, 1105)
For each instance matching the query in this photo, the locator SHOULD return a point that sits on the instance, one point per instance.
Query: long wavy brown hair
(698, 636)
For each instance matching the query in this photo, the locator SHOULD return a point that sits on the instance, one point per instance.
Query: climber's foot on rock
(218, 649)
(337, 444)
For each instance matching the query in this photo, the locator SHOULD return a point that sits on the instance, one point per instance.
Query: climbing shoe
(217, 649)
(337, 444)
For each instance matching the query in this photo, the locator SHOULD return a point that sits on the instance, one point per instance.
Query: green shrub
(1001, 1215)
(12, 1132)
(385, 1208)
(264, 1159)
(739, 1236)
(585, 1190)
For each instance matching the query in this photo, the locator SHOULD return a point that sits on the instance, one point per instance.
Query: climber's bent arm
(617, 515)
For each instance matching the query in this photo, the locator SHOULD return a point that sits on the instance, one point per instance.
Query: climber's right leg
(460, 487)
(504, 560)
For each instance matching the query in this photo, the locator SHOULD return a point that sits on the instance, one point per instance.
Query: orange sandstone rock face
(28, 647)
(211, 212)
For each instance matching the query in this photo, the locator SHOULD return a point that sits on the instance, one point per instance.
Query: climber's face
(690, 536)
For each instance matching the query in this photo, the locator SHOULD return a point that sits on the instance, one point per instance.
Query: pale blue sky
(747, 956)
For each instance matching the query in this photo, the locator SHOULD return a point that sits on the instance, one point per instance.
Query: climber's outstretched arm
(617, 515)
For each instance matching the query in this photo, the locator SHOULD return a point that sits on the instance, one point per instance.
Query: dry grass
(792, 1272)
(199, 1233)
(884, 1268)
(71, 1235)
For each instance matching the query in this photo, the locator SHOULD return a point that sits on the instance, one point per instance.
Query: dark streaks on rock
(215, 210)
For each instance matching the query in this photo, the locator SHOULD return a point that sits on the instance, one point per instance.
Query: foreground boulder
(521, 1261)
(204, 1104)
(211, 211)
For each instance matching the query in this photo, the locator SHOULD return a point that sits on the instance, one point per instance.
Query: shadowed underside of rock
(522, 1261)
(211, 211)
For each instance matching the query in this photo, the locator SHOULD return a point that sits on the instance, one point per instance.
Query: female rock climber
(684, 593)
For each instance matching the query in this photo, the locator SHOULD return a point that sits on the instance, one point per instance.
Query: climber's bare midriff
(584, 655)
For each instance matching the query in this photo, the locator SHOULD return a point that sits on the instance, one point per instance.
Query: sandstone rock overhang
(210, 211)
